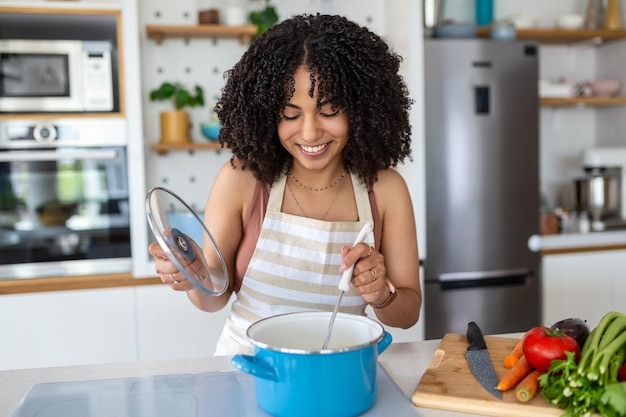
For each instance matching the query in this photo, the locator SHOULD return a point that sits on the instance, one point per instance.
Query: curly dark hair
(356, 69)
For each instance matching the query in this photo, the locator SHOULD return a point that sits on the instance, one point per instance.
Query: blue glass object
(484, 12)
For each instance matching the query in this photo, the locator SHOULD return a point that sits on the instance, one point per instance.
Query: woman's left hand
(370, 275)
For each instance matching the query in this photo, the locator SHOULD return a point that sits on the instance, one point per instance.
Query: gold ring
(174, 279)
(370, 251)
(374, 274)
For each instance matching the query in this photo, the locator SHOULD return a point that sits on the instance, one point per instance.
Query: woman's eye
(328, 110)
(330, 114)
(290, 117)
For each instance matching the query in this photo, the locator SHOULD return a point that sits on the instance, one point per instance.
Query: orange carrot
(526, 390)
(514, 375)
(515, 354)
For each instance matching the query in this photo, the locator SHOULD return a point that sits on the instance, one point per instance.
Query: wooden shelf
(559, 36)
(56, 116)
(584, 101)
(244, 33)
(163, 149)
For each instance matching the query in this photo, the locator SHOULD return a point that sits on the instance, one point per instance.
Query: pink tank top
(254, 220)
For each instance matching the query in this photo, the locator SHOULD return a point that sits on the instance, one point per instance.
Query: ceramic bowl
(524, 21)
(210, 131)
(570, 22)
(606, 87)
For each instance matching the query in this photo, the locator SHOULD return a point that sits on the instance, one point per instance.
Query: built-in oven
(64, 204)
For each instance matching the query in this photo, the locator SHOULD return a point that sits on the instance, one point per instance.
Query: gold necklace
(306, 187)
(332, 203)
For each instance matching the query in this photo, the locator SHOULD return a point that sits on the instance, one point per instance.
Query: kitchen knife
(479, 361)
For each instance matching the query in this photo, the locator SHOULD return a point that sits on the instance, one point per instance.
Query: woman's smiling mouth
(314, 149)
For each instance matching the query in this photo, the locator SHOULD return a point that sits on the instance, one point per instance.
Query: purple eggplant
(576, 328)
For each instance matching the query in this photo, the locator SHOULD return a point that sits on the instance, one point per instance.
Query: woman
(316, 116)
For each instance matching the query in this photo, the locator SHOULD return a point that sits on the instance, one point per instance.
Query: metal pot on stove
(598, 193)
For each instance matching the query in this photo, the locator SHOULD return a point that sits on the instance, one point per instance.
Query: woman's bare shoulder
(391, 190)
(389, 181)
(233, 187)
(232, 174)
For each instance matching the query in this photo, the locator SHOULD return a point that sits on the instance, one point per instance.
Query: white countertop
(404, 362)
(582, 240)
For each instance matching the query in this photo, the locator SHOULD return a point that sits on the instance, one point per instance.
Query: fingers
(369, 267)
(166, 270)
(174, 281)
(374, 277)
(352, 255)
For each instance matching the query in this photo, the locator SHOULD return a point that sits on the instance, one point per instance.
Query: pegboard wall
(203, 62)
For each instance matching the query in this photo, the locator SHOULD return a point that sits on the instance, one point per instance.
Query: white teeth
(312, 149)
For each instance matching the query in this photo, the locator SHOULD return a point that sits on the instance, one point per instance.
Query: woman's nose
(310, 129)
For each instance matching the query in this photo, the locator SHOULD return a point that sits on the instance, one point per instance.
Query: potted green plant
(263, 18)
(175, 123)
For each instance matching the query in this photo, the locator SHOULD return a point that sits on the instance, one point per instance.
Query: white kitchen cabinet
(104, 326)
(585, 285)
(171, 327)
(67, 328)
(619, 283)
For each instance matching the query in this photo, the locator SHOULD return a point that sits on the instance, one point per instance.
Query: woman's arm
(226, 206)
(397, 259)
(227, 203)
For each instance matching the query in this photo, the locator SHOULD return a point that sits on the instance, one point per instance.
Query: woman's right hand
(166, 270)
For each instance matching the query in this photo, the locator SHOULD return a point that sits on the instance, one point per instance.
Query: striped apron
(294, 267)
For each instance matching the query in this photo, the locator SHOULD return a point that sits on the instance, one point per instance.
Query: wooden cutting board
(448, 383)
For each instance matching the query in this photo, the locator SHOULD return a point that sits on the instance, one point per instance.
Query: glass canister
(594, 15)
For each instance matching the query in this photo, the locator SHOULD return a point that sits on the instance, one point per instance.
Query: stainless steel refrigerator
(482, 186)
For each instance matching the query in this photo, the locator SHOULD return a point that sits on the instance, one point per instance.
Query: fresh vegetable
(621, 374)
(526, 390)
(517, 352)
(514, 376)
(591, 386)
(542, 345)
(576, 328)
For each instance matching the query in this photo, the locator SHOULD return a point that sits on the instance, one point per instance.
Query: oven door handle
(57, 156)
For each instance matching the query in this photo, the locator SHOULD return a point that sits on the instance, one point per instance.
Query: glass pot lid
(178, 229)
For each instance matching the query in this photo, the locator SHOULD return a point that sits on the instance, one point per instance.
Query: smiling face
(315, 137)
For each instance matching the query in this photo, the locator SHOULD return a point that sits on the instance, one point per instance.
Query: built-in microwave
(42, 76)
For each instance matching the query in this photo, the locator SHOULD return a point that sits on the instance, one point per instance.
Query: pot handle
(249, 365)
(384, 342)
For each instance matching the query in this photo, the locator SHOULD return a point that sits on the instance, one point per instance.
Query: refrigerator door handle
(472, 279)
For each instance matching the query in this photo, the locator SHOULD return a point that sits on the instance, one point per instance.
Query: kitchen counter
(579, 242)
(404, 362)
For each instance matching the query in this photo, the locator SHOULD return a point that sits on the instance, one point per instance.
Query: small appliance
(41, 76)
(606, 167)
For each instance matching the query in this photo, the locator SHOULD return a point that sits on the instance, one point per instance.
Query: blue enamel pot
(295, 377)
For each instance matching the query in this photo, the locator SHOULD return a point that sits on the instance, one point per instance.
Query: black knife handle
(475, 337)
